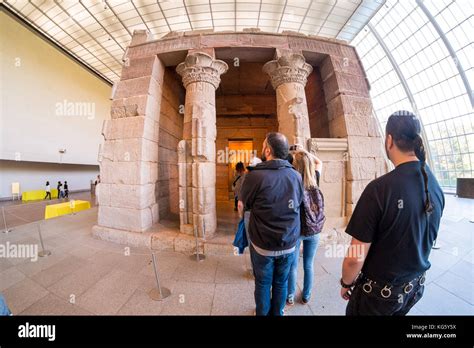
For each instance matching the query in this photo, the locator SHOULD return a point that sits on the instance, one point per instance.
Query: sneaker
(305, 300)
(290, 301)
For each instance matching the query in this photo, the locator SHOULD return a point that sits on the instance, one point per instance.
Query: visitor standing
(237, 184)
(96, 190)
(312, 221)
(246, 214)
(48, 190)
(242, 212)
(60, 192)
(66, 190)
(393, 228)
(273, 192)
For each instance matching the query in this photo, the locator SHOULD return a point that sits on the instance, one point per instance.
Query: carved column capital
(201, 67)
(288, 68)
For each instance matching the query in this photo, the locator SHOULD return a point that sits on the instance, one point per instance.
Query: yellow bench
(55, 210)
(37, 195)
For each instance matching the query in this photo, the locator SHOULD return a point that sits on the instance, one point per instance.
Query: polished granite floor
(87, 276)
(20, 213)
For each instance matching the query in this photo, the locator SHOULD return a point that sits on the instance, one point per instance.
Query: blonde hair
(304, 163)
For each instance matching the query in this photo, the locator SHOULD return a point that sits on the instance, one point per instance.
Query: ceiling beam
(306, 14)
(404, 83)
(329, 14)
(118, 18)
(140, 15)
(98, 22)
(450, 49)
(85, 31)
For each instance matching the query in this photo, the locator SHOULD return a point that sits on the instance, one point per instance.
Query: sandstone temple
(187, 97)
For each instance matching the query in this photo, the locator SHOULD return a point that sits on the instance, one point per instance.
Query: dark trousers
(271, 282)
(399, 303)
(48, 194)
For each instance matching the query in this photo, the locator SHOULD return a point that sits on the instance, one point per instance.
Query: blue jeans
(3, 306)
(310, 245)
(271, 281)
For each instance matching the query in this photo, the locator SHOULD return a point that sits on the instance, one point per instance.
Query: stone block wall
(317, 110)
(169, 134)
(350, 116)
(129, 156)
(333, 153)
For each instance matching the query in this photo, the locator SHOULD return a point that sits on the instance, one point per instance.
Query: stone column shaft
(197, 187)
(288, 76)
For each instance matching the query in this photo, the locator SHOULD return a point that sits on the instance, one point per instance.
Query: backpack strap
(237, 179)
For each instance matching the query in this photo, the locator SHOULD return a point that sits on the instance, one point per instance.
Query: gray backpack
(312, 212)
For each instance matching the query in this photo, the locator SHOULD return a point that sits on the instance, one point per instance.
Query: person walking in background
(66, 190)
(273, 192)
(48, 191)
(60, 192)
(96, 190)
(245, 214)
(237, 184)
(312, 221)
(393, 228)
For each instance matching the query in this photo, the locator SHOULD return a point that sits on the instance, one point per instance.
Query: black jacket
(273, 192)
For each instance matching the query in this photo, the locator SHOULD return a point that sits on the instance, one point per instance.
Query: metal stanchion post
(436, 245)
(43, 252)
(6, 230)
(71, 205)
(158, 293)
(197, 256)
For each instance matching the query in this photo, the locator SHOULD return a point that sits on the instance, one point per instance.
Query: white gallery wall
(33, 175)
(48, 103)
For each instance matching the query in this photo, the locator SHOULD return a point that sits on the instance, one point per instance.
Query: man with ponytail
(393, 228)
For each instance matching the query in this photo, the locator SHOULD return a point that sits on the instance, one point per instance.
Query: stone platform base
(161, 238)
(166, 240)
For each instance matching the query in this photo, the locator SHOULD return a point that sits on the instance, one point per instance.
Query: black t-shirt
(390, 215)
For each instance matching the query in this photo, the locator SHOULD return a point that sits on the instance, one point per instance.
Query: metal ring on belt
(367, 287)
(422, 279)
(384, 291)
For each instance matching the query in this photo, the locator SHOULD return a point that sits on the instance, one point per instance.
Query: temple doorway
(239, 151)
(239, 137)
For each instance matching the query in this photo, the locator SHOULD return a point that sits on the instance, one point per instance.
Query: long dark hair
(239, 167)
(405, 129)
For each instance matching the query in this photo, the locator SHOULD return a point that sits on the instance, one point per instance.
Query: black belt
(387, 289)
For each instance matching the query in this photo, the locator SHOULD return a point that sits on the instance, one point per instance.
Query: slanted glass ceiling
(98, 32)
(411, 67)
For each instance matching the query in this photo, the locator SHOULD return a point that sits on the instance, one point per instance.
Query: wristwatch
(345, 286)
